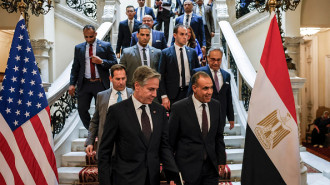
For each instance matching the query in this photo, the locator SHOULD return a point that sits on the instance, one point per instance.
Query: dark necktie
(145, 122)
(183, 75)
(216, 81)
(204, 122)
(141, 16)
(92, 65)
(119, 99)
(187, 20)
(145, 61)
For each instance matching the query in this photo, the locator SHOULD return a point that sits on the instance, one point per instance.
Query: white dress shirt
(138, 12)
(141, 54)
(220, 79)
(186, 64)
(185, 17)
(199, 111)
(114, 96)
(138, 111)
(87, 61)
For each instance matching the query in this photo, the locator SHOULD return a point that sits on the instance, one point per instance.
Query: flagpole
(22, 9)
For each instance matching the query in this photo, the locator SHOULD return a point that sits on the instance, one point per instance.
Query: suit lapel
(189, 57)
(173, 53)
(152, 56)
(107, 97)
(208, 71)
(155, 121)
(213, 114)
(135, 121)
(193, 115)
(137, 53)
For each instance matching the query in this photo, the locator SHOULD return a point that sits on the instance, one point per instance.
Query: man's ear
(110, 78)
(193, 87)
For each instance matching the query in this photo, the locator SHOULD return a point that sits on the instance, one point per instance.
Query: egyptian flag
(271, 154)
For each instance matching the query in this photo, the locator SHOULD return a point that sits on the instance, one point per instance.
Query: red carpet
(324, 153)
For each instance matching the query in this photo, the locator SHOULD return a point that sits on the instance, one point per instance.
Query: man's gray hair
(214, 48)
(144, 73)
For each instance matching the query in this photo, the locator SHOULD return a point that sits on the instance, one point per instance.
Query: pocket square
(227, 82)
(158, 41)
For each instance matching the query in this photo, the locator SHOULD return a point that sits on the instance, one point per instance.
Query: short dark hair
(130, 6)
(144, 26)
(117, 67)
(176, 28)
(142, 74)
(89, 26)
(214, 48)
(197, 75)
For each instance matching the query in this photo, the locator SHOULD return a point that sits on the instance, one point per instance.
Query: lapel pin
(154, 112)
(100, 45)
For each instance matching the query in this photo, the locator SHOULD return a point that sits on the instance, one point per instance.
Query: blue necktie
(119, 99)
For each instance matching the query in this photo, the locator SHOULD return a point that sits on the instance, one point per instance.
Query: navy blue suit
(87, 90)
(224, 95)
(158, 39)
(169, 70)
(196, 24)
(124, 35)
(147, 11)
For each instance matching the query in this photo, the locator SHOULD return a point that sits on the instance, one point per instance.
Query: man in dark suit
(164, 14)
(143, 10)
(138, 127)
(157, 38)
(126, 28)
(105, 99)
(175, 66)
(140, 54)
(191, 19)
(221, 83)
(206, 13)
(90, 71)
(196, 134)
(179, 10)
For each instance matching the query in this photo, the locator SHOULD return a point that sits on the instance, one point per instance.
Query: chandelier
(37, 7)
(271, 5)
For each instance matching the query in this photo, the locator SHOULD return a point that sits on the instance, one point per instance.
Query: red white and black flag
(26, 142)
(271, 154)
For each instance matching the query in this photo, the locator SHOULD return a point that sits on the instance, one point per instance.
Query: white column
(220, 10)
(41, 49)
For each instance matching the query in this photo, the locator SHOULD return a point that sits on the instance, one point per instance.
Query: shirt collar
(197, 103)
(213, 70)
(115, 91)
(94, 43)
(141, 47)
(178, 47)
(137, 104)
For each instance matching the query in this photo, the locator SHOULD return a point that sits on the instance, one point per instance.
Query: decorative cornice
(221, 10)
(41, 44)
(109, 11)
(249, 21)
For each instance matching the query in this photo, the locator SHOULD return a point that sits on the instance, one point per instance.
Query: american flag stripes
(26, 143)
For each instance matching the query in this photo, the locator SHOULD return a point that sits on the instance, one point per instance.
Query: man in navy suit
(196, 134)
(143, 10)
(90, 71)
(157, 38)
(138, 128)
(164, 14)
(221, 83)
(126, 28)
(196, 22)
(175, 66)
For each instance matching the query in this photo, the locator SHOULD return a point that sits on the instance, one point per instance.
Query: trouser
(164, 16)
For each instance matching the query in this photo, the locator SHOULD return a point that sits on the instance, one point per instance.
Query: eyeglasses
(214, 59)
(146, 20)
(89, 37)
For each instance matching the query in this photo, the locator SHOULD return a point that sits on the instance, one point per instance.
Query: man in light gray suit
(105, 99)
(140, 54)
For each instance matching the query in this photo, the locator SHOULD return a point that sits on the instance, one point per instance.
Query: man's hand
(89, 151)
(231, 124)
(204, 50)
(72, 89)
(96, 60)
(166, 103)
(221, 170)
(118, 55)
(212, 34)
(317, 128)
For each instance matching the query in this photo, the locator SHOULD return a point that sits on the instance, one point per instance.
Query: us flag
(26, 143)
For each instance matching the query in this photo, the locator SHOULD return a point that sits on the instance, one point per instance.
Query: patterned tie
(145, 122)
(141, 16)
(204, 122)
(145, 61)
(119, 99)
(130, 26)
(183, 72)
(187, 20)
(216, 81)
(91, 64)
(200, 11)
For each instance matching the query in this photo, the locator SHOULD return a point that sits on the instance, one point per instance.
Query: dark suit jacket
(104, 51)
(179, 7)
(97, 122)
(131, 59)
(187, 141)
(169, 70)
(124, 35)
(167, 3)
(158, 39)
(147, 11)
(196, 24)
(224, 95)
(134, 157)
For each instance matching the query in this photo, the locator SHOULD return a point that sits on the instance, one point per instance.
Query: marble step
(68, 175)
(74, 159)
(77, 145)
(235, 172)
(235, 131)
(234, 156)
(234, 141)
(83, 132)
